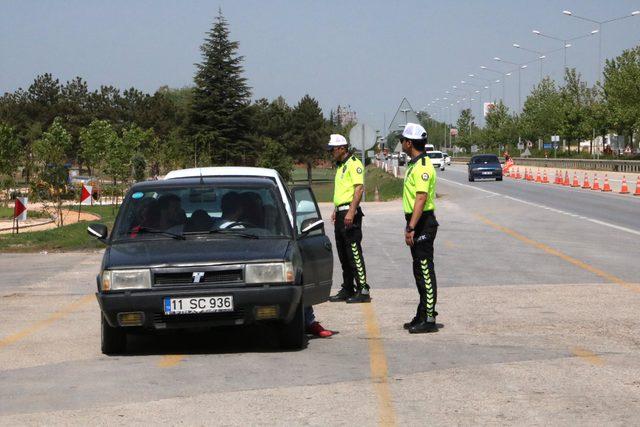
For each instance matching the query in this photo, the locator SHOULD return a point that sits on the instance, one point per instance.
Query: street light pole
(520, 68)
(504, 78)
(541, 55)
(565, 42)
(599, 30)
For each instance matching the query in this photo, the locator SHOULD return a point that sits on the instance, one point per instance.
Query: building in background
(345, 116)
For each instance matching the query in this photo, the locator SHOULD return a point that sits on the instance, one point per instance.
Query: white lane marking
(537, 205)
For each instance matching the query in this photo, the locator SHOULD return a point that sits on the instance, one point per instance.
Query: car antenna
(201, 179)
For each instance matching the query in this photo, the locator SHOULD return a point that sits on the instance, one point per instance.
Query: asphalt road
(539, 325)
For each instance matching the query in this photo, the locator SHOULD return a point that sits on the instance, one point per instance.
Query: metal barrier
(628, 166)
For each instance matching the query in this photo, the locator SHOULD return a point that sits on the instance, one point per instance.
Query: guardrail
(629, 166)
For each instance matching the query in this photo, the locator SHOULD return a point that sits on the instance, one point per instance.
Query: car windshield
(485, 159)
(434, 154)
(179, 212)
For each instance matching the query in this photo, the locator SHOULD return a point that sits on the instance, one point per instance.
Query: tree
(9, 153)
(542, 112)
(308, 133)
(575, 101)
(501, 127)
(50, 152)
(466, 128)
(622, 92)
(274, 155)
(96, 140)
(219, 120)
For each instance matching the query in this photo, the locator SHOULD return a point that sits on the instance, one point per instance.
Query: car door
(315, 247)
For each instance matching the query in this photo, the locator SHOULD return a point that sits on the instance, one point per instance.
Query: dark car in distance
(484, 166)
(212, 251)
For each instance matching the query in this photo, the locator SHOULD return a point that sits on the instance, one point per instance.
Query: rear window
(485, 159)
(434, 154)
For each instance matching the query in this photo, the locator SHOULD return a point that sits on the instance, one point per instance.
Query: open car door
(314, 245)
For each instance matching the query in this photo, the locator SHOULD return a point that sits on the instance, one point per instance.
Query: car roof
(221, 171)
(195, 181)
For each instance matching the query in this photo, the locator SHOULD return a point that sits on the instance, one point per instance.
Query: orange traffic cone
(575, 182)
(637, 193)
(558, 177)
(624, 189)
(585, 183)
(530, 177)
(566, 179)
(606, 186)
(596, 186)
(545, 179)
(538, 179)
(526, 174)
(518, 176)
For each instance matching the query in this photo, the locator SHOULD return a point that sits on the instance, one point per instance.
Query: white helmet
(414, 131)
(336, 140)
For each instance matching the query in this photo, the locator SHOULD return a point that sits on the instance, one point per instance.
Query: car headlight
(118, 280)
(275, 272)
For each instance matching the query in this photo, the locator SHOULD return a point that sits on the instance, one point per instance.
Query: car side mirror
(311, 224)
(99, 231)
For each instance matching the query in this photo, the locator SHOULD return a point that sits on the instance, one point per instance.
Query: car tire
(471, 178)
(292, 334)
(113, 340)
(499, 179)
(442, 168)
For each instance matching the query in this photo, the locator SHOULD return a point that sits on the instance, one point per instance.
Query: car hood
(486, 166)
(169, 252)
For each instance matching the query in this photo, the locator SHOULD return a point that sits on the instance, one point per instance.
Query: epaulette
(423, 162)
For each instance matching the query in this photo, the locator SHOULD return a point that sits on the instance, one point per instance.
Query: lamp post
(504, 77)
(541, 55)
(488, 82)
(599, 30)
(520, 68)
(565, 42)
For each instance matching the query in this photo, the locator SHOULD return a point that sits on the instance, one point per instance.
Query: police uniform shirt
(349, 174)
(420, 177)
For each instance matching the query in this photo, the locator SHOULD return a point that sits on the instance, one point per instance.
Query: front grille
(182, 278)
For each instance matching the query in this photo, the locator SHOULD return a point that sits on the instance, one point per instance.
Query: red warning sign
(85, 194)
(20, 209)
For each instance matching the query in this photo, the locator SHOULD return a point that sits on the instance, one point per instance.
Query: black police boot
(361, 296)
(342, 295)
(423, 326)
(413, 322)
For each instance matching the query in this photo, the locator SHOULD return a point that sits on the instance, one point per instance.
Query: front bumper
(245, 300)
(497, 173)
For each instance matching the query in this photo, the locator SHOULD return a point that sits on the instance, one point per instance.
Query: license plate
(198, 304)
(487, 173)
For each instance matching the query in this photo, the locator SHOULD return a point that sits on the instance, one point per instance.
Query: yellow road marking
(32, 329)
(607, 276)
(170, 360)
(378, 365)
(588, 356)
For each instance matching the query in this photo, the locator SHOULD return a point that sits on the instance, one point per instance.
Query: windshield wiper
(155, 231)
(233, 232)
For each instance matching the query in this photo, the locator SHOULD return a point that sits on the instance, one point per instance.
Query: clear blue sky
(367, 54)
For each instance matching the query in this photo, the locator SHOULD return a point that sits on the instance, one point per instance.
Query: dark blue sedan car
(485, 166)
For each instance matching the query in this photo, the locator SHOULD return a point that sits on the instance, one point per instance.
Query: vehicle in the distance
(447, 158)
(484, 166)
(437, 159)
(212, 247)
(429, 147)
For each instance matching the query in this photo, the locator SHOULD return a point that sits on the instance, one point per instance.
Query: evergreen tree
(220, 116)
(309, 133)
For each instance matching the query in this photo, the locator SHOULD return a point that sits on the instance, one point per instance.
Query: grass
(389, 187)
(7, 213)
(300, 174)
(68, 238)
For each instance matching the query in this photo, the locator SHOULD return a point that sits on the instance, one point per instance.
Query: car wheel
(470, 178)
(292, 334)
(113, 340)
(499, 178)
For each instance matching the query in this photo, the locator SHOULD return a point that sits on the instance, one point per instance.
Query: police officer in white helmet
(418, 201)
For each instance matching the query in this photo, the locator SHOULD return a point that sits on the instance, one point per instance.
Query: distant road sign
(20, 209)
(362, 137)
(555, 138)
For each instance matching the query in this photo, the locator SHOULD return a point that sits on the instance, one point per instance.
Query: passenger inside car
(199, 221)
(171, 212)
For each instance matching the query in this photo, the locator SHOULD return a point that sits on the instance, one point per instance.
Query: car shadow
(259, 338)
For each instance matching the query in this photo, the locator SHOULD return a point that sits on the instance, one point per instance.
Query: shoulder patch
(359, 170)
(425, 176)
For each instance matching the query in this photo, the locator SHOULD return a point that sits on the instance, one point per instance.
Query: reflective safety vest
(420, 177)
(349, 174)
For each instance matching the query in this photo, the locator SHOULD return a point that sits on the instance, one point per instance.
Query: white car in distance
(437, 159)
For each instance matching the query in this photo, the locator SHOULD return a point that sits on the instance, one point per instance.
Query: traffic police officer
(418, 200)
(347, 218)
